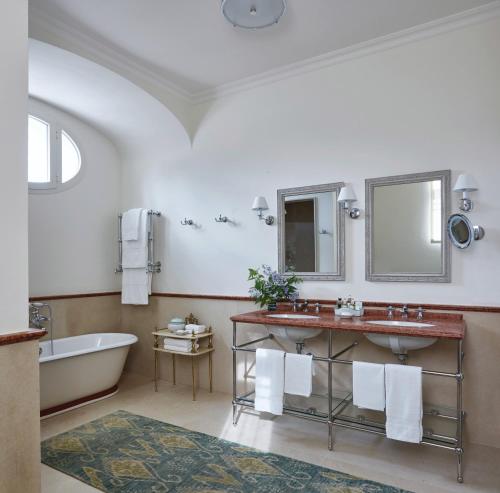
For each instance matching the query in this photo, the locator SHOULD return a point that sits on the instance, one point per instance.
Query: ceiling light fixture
(253, 14)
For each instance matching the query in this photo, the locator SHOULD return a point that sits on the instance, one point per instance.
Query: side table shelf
(194, 354)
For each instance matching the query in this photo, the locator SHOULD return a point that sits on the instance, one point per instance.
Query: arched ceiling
(134, 120)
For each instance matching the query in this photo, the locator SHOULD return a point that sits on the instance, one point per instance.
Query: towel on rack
(368, 385)
(298, 374)
(170, 341)
(169, 347)
(135, 252)
(136, 285)
(130, 224)
(403, 395)
(269, 380)
(196, 329)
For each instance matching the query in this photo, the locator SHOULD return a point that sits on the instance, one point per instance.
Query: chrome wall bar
(154, 267)
(425, 372)
(460, 412)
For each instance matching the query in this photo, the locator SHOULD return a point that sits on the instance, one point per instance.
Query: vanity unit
(340, 410)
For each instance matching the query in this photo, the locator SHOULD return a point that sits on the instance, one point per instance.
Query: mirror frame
(370, 184)
(340, 231)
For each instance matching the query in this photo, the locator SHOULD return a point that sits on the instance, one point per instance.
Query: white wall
(72, 233)
(428, 105)
(13, 169)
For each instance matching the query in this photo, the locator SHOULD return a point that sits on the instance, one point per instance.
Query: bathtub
(82, 369)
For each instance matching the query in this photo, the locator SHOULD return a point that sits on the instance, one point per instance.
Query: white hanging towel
(136, 280)
(269, 380)
(403, 395)
(130, 224)
(135, 287)
(298, 374)
(135, 252)
(368, 385)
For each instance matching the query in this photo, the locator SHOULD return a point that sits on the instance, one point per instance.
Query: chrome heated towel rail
(153, 266)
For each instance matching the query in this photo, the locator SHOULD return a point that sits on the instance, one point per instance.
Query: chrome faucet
(295, 306)
(404, 312)
(420, 313)
(317, 307)
(305, 306)
(390, 312)
(37, 319)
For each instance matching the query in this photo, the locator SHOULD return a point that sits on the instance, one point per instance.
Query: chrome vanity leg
(156, 363)
(235, 407)
(330, 392)
(460, 413)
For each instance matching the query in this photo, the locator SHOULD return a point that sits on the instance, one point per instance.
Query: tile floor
(418, 469)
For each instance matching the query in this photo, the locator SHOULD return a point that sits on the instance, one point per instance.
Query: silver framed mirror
(406, 237)
(311, 232)
(462, 232)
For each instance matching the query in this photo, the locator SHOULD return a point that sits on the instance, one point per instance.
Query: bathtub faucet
(37, 319)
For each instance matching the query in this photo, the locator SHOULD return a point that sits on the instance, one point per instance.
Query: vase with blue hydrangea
(270, 287)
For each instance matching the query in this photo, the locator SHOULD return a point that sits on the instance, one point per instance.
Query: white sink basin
(399, 323)
(294, 334)
(400, 344)
(293, 316)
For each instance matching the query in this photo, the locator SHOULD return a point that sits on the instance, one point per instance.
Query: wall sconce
(260, 204)
(346, 198)
(465, 184)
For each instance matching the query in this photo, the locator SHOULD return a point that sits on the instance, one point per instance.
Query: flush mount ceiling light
(253, 14)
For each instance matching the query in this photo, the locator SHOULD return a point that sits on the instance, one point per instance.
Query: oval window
(70, 158)
(53, 156)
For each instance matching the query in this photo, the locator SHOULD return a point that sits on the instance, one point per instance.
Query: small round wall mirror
(462, 232)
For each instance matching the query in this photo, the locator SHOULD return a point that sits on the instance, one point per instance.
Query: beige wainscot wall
(481, 368)
(19, 418)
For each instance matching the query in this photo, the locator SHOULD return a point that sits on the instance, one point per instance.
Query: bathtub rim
(131, 339)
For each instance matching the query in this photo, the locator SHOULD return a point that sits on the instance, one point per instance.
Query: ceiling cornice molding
(101, 51)
(124, 64)
(383, 43)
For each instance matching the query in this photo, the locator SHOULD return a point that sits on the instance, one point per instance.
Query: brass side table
(195, 353)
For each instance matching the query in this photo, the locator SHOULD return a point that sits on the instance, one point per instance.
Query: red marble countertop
(445, 325)
(14, 337)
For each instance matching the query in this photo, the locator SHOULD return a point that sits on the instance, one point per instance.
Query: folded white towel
(177, 342)
(298, 374)
(269, 380)
(130, 224)
(180, 349)
(403, 396)
(196, 329)
(368, 385)
(135, 286)
(135, 252)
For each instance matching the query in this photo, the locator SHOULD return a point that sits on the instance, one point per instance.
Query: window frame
(55, 155)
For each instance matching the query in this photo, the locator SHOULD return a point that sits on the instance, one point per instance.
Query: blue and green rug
(127, 453)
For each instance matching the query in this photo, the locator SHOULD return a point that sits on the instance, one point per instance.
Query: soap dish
(349, 312)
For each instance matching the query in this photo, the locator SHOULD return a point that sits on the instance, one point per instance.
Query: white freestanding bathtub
(82, 369)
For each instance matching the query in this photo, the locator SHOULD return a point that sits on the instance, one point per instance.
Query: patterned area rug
(127, 453)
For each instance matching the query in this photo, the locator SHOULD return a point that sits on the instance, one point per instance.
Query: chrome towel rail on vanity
(153, 266)
(337, 405)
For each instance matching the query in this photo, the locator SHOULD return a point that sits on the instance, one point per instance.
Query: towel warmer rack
(153, 266)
